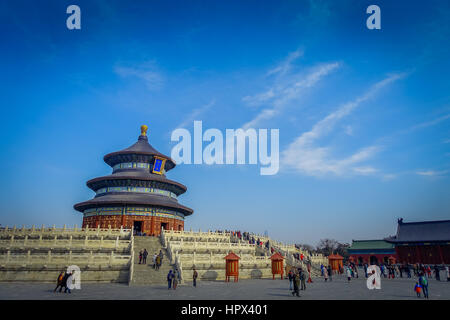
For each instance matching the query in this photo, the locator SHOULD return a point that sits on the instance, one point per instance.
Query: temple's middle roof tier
(136, 178)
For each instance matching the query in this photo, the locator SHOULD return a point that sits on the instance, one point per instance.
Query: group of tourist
(156, 261)
(63, 279)
(297, 280)
(173, 277)
(407, 270)
(327, 272)
(421, 285)
(143, 256)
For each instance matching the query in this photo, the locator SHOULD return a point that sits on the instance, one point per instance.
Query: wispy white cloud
(431, 123)
(147, 72)
(286, 65)
(432, 173)
(304, 156)
(195, 114)
(365, 170)
(285, 90)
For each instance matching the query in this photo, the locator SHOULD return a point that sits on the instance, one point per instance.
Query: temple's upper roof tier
(141, 151)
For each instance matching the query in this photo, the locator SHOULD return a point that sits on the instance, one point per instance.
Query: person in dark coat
(59, 281)
(194, 277)
(144, 256)
(436, 272)
(140, 257)
(170, 277)
(64, 282)
(291, 279)
(296, 285)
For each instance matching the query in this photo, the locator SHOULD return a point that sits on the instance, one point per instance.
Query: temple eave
(94, 203)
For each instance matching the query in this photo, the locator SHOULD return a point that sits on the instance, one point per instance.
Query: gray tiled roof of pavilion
(425, 231)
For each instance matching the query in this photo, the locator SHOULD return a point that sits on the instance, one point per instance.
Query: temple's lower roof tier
(136, 178)
(133, 200)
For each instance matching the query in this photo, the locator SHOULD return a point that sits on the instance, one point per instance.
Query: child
(417, 289)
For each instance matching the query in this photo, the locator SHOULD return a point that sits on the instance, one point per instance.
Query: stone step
(145, 274)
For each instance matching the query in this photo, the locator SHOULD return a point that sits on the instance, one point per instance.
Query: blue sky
(364, 115)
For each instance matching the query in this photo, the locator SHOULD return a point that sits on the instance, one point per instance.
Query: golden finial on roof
(144, 130)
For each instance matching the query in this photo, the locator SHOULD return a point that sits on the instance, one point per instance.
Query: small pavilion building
(137, 194)
(371, 252)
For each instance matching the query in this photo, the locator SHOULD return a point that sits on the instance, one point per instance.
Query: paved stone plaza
(266, 289)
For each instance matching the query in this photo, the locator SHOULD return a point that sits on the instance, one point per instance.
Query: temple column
(440, 253)
(152, 227)
(418, 258)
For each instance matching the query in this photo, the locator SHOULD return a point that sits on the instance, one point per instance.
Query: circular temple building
(137, 194)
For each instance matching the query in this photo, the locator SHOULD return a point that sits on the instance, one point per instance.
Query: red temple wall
(425, 254)
(151, 225)
(382, 258)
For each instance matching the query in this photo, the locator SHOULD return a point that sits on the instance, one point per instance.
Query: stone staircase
(144, 274)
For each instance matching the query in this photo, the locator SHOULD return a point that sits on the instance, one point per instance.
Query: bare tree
(329, 246)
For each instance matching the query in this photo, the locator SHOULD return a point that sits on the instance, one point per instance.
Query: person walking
(68, 281)
(154, 261)
(428, 271)
(291, 279)
(194, 277)
(448, 273)
(175, 280)
(169, 279)
(437, 273)
(417, 289)
(64, 282)
(424, 283)
(144, 256)
(158, 262)
(302, 279)
(59, 281)
(325, 274)
(296, 285)
(161, 255)
(349, 273)
(140, 257)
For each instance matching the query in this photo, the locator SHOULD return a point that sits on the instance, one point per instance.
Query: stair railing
(130, 275)
(178, 266)
(162, 237)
